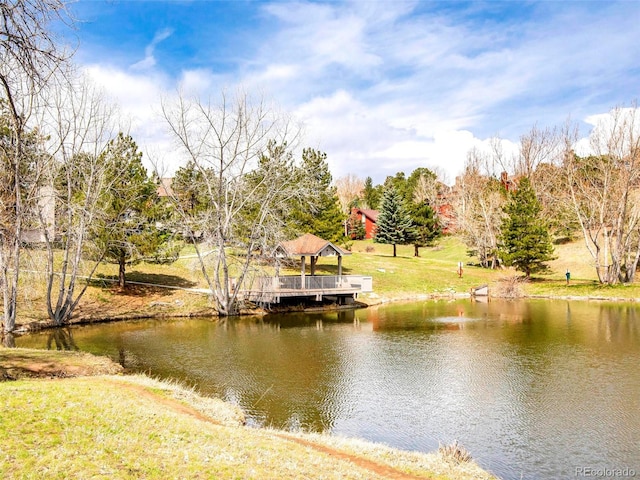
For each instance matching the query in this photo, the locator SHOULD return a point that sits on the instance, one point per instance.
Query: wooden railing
(357, 283)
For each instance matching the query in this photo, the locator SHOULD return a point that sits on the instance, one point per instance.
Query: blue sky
(380, 86)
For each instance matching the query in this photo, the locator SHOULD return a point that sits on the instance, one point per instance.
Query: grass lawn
(435, 272)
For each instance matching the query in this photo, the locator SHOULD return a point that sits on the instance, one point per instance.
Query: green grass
(406, 276)
(435, 272)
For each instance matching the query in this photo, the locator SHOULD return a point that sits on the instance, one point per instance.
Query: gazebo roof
(309, 245)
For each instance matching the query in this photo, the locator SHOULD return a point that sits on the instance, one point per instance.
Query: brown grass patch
(17, 363)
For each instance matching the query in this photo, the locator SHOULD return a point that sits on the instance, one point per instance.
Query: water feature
(533, 389)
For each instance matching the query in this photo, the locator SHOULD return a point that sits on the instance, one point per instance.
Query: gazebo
(311, 246)
(342, 288)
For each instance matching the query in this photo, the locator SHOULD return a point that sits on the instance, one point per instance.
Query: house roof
(371, 214)
(309, 245)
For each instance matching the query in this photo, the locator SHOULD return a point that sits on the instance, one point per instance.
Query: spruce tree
(355, 227)
(394, 224)
(525, 240)
(420, 190)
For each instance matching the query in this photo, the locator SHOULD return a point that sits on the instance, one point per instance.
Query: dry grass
(412, 462)
(455, 453)
(17, 363)
(511, 286)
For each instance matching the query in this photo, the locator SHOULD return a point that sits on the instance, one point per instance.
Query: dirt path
(179, 407)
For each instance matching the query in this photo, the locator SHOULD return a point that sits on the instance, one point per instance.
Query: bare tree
(540, 158)
(29, 57)
(348, 188)
(605, 193)
(537, 147)
(79, 123)
(240, 152)
(479, 208)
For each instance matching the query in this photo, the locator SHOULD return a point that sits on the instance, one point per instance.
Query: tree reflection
(62, 339)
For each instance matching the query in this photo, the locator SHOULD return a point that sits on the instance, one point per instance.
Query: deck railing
(315, 282)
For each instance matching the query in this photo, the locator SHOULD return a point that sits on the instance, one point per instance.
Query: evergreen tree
(129, 228)
(394, 225)
(265, 184)
(525, 240)
(399, 183)
(427, 227)
(355, 227)
(370, 195)
(320, 212)
(420, 190)
(189, 188)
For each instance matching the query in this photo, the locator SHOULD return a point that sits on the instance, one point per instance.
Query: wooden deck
(273, 289)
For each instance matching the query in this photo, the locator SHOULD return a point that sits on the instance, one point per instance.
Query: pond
(533, 389)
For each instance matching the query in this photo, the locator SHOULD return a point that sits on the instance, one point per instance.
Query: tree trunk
(8, 340)
(416, 250)
(394, 249)
(121, 272)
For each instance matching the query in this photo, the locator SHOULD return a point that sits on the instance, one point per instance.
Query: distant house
(47, 211)
(165, 188)
(368, 219)
(447, 217)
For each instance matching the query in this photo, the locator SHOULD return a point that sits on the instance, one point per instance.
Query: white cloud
(149, 60)
(382, 87)
(139, 96)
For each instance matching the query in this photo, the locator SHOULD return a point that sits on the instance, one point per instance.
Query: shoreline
(36, 326)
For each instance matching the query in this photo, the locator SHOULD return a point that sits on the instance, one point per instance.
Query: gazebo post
(339, 265)
(313, 265)
(302, 271)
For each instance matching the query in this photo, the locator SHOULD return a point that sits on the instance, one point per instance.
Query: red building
(368, 219)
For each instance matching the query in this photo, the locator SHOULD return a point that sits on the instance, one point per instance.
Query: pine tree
(420, 191)
(525, 240)
(355, 227)
(320, 212)
(128, 229)
(370, 195)
(427, 227)
(394, 225)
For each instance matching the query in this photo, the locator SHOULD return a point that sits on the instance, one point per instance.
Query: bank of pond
(531, 388)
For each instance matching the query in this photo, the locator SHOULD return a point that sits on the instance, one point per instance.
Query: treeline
(408, 207)
(509, 208)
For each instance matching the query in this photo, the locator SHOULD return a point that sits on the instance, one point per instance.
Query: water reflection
(533, 389)
(61, 339)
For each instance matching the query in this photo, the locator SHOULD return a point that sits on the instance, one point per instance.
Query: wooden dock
(317, 287)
